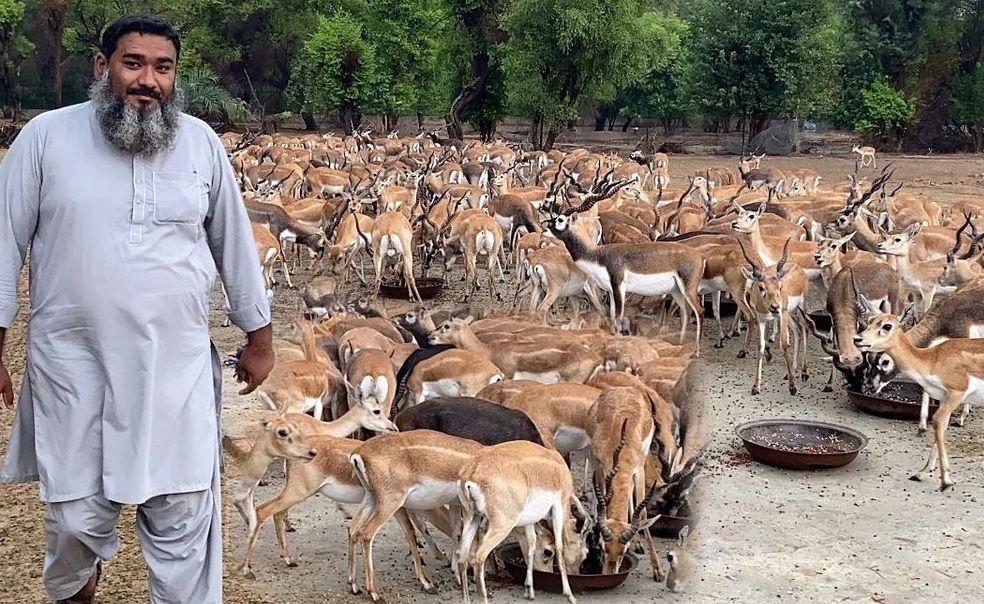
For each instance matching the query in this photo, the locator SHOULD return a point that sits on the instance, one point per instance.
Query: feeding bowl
(822, 320)
(512, 559)
(796, 444)
(428, 287)
(669, 527)
(897, 400)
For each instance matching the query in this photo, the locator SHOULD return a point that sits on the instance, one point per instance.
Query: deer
(555, 276)
(417, 471)
(350, 239)
(371, 381)
(512, 485)
(480, 235)
(560, 362)
(268, 250)
(304, 385)
(619, 473)
(775, 295)
(392, 236)
(921, 276)
(951, 372)
(647, 269)
(866, 156)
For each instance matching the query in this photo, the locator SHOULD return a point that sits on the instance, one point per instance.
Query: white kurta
(118, 398)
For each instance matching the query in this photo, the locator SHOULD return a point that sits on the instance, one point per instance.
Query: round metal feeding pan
(796, 444)
(897, 400)
(428, 287)
(669, 527)
(512, 559)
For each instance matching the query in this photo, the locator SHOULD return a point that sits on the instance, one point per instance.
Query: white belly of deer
(310, 404)
(538, 504)
(976, 331)
(429, 494)
(795, 302)
(596, 273)
(932, 384)
(342, 493)
(570, 438)
(442, 387)
(548, 377)
(649, 285)
(505, 223)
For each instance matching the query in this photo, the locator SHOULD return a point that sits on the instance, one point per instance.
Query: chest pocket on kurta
(179, 198)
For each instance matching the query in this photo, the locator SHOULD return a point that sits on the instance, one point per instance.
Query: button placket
(139, 200)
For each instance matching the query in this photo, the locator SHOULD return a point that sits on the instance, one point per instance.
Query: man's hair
(141, 23)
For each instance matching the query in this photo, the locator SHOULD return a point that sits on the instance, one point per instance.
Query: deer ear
(843, 240)
(682, 537)
(908, 317)
(468, 320)
(644, 525)
(747, 274)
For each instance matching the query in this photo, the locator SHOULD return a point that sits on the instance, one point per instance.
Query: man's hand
(6, 387)
(256, 359)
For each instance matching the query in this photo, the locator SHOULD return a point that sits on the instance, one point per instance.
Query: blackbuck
(516, 485)
(880, 284)
(951, 372)
(417, 471)
(866, 156)
(776, 293)
(562, 361)
(619, 448)
(646, 269)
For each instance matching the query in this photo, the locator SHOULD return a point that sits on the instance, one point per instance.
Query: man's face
(141, 70)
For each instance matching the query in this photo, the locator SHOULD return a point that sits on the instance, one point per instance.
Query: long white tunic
(118, 397)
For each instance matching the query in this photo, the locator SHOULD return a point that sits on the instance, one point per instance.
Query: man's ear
(99, 65)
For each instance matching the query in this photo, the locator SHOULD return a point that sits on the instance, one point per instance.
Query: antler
(607, 190)
(960, 231)
(756, 272)
(780, 272)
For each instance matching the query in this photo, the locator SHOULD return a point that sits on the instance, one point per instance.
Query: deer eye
(671, 557)
(282, 432)
(887, 328)
(898, 240)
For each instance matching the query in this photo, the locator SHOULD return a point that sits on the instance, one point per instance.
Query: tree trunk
(552, 133)
(390, 122)
(309, 122)
(536, 132)
(625, 126)
(59, 73)
(599, 119)
(420, 122)
(472, 92)
(348, 118)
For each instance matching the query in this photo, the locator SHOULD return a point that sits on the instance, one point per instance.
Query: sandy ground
(862, 533)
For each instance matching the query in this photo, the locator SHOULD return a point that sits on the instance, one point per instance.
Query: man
(130, 208)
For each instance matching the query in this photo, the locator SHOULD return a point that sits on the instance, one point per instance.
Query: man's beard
(136, 130)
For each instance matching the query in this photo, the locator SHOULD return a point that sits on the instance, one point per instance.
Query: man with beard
(131, 209)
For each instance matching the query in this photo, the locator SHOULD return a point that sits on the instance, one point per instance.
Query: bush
(206, 98)
(885, 113)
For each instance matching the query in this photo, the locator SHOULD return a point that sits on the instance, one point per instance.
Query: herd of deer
(479, 416)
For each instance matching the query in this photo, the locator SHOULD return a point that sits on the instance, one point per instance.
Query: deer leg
(529, 532)
(497, 531)
(283, 260)
(762, 323)
(924, 414)
(418, 565)
(963, 414)
(382, 511)
(788, 343)
(716, 310)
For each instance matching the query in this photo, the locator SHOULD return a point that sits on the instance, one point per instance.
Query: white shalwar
(120, 402)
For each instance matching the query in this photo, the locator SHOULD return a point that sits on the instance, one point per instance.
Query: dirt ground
(859, 534)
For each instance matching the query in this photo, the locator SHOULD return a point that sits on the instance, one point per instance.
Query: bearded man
(130, 208)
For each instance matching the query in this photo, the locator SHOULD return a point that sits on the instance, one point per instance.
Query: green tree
(886, 113)
(968, 104)
(757, 59)
(336, 72)
(208, 100)
(561, 54)
(657, 93)
(14, 47)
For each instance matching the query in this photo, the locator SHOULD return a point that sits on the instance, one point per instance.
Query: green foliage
(14, 48)
(886, 112)
(968, 103)
(762, 57)
(561, 53)
(208, 100)
(658, 92)
(336, 70)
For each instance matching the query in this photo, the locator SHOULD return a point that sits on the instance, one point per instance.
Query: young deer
(866, 156)
(511, 485)
(775, 295)
(951, 372)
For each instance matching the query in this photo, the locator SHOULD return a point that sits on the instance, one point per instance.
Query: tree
(336, 72)
(207, 99)
(968, 104)
(561, 54)
(14, 47)
(54, 16)
(886, 113)
(758, 58)
(480, 96)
